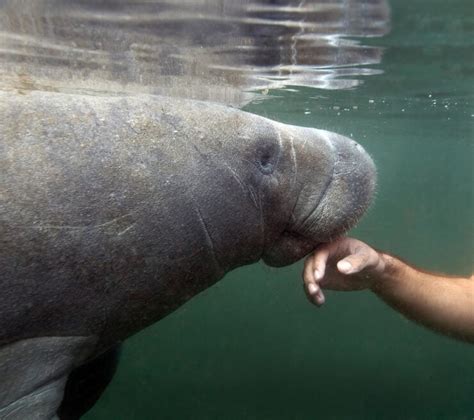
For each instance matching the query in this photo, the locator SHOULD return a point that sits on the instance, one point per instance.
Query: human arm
(441, 303)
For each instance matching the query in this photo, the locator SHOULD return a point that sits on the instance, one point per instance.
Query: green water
(252, 347)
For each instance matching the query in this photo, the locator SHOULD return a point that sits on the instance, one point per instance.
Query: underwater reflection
(222, 50)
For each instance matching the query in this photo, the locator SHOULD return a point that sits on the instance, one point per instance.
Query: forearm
(444, 304)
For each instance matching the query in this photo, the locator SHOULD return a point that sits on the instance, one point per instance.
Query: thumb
(353, 263)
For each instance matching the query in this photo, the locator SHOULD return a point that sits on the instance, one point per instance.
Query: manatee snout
(336, 180)
(347, 195)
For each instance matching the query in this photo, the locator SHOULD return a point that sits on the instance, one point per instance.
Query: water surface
(228, 51)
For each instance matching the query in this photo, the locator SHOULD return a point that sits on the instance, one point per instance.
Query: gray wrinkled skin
(114, 211)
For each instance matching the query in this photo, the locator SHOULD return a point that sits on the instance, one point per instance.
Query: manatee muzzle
(336, 207)
(346, 196)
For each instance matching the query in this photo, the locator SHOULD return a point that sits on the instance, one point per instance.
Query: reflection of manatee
(115, 211)
(219, 50)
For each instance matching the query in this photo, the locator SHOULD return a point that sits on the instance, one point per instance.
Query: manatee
(116, 210)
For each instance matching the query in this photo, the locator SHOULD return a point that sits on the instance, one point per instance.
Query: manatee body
(114, 211)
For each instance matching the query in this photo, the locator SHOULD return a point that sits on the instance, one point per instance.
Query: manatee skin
(114, 211)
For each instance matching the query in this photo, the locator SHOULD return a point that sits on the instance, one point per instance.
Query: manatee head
(319, 184)
(307, 186)
(332, 182)
(311, 185)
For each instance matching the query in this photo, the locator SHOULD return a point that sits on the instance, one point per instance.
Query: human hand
(346, 264)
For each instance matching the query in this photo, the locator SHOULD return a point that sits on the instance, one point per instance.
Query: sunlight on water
(222, 50)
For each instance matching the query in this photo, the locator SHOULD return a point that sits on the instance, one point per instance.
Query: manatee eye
(265, 163)
(268, 154)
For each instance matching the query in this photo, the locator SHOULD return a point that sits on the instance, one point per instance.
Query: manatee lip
(319, 225)
(296, 227)
(320, 199)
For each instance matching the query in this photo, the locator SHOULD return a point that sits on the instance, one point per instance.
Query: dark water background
(252, 347)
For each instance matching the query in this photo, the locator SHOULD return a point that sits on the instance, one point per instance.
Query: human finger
(314, 293)
(313, 290)
(320, 258)
(308, 271)
(358, 261)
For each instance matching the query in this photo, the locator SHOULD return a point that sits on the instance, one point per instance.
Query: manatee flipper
(86, 384)
(33, 374)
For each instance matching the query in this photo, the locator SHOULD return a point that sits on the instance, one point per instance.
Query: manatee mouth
(312, 216)
(343, 199)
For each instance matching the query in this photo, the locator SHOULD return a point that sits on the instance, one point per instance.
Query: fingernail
(344, 266)
(312, 288)
(320, 300)
(318, 275)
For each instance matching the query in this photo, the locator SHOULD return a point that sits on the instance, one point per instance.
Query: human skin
(442, 303)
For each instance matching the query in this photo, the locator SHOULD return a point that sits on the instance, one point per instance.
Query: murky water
(251, 347)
